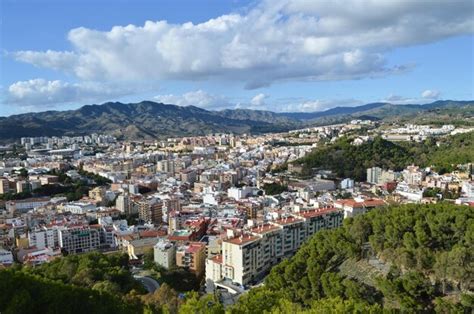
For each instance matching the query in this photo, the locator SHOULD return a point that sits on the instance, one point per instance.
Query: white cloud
(197, 98)
(258, 100)
(57, 60)
(313, 105)
(41, 93)
(425, 97)
(273, 41)
(430, 94)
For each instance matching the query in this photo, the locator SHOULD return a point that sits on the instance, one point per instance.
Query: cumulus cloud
(43, 94)
(275, 40)
(430, 94)
(197, 98)
(258, 100)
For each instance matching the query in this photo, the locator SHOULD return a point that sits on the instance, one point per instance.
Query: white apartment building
(44, 237)
(248, 257)
(165, 254)
(412, 175)
(239, 193)
(6, 257)
(79, 207)
(374, 174)
(123, 203)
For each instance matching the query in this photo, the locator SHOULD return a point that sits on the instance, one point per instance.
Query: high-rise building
(4, 186)
(123, 203)
(44, 237)
(79, 240)
(165, 254)
(374, 174)
(248, 257)
(151, 210)
(192, 256)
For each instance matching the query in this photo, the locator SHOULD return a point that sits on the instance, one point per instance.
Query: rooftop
(243, 239)
(365, 203)
(288, 220)
(316, 212)
(262, 229)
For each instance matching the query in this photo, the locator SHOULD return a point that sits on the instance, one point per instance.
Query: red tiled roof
(364, 203)
(264, 228)
(288, 220)
(247, 238)
(195, 247)
(316, 212)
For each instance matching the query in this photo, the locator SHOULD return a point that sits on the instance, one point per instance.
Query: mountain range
(151, 120)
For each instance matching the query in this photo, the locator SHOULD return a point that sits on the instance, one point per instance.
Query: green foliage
(99, 180)
(164, 299)
(92, 270)
(26, 293)
(274, 188)
(423, 243)
(179, 279)
(207, 304)
(351, 161)
(259, 301)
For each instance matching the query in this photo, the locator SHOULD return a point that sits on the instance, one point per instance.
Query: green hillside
(426, 250)
(347, 160)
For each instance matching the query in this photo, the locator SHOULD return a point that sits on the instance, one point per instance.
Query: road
(150, 284)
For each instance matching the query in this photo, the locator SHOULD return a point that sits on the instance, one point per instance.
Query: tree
(207, 304)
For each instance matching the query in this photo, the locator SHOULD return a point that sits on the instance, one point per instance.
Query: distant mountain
(332, 112)
(144, 120)
(150, 120)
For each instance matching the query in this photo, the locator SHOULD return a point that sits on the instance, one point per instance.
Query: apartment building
(123, 203)
(44, 237)
(192, 256)
(374, 174)
(4, 186)
(248, 257)
(6, 257)
(79, 239)
(165, 254)
(151, 211)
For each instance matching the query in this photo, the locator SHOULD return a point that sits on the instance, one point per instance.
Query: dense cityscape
(236, 157)
(221, 209)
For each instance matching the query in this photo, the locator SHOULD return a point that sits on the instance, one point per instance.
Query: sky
(279, 55)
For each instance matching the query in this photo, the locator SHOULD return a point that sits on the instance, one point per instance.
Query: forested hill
(347, 160)
(413, 258)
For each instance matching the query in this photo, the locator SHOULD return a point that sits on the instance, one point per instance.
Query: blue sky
(281, 55)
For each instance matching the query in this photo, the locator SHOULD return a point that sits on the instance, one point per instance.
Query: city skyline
(279, 55)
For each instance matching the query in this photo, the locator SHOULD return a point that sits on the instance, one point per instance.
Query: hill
(349, 161)
(438, 112)
(410, 258)
(144, 120)
(150, 120)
